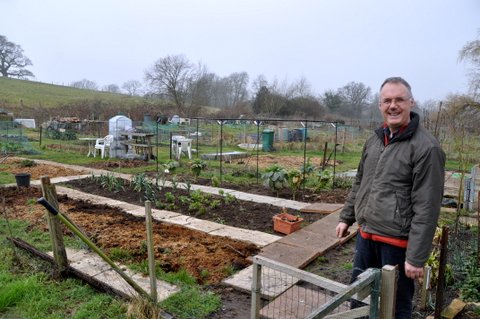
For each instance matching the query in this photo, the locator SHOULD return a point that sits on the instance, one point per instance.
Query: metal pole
(221, 149)
(335, 155)
(156, 157)
(170, 144)
(197, 139)
(258, 144)
(304, 155)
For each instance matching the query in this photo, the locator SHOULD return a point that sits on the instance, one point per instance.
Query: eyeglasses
(397, 100)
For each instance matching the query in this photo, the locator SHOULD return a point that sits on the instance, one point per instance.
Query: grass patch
(26, 291)
(6, 178)
(192, 302)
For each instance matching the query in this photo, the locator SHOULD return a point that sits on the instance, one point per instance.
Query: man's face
(395, 105)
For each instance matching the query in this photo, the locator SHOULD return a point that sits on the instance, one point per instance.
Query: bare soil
(224, 210)
(38, 170)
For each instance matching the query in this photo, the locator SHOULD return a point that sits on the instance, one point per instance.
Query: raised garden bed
(226, 210)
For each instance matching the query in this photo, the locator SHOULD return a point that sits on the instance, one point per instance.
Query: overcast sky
(328, 42)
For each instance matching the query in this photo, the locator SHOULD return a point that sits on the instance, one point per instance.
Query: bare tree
(356, 96)
(238, 83)
(332, 100)
(84, 84)
(132, 87)
(12, 61)
(199, 86)
(112, 88)
(171, 77)
(471, 52)
(301, 88)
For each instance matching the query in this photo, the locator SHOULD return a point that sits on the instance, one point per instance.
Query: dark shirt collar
(388, 136)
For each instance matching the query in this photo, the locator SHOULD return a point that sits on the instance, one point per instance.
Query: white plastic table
(91, 144)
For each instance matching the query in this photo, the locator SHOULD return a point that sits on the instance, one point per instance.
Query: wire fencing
(284, 292)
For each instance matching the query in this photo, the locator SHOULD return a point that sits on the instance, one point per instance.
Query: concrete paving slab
(92, 265)
(180, 220)
(257, 238)
(271, 286)
(160, 214)
(203, 225)
(139, 212)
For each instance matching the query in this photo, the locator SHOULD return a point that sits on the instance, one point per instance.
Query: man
(397, 194)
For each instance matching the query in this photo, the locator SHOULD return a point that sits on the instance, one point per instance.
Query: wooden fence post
(151, 251)
(388, 291)
(441, 273)
(256, 289)
(425, 287)
(54, 226)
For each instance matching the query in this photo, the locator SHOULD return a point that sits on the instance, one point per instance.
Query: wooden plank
(294, 256)
(322, 208)
(453, 309)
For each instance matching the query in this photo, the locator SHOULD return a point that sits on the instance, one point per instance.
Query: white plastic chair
(185, 146)
(101, 144)
(181, 144)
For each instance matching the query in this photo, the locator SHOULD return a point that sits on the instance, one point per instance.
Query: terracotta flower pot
(286, 223)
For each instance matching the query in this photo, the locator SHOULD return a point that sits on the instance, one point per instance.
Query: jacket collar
(404, 134)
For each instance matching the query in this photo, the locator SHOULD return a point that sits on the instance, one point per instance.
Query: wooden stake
(151, 251)
(425, 286)
(388, 291)
(54, 226)
(441, 273)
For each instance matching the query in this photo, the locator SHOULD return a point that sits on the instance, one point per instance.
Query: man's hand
(412, 271)
(341, 229)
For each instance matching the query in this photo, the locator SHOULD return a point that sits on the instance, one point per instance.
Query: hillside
(29, 98)
(16, 93)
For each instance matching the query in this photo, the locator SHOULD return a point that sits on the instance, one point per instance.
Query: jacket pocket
(403, 211)
(389, 212)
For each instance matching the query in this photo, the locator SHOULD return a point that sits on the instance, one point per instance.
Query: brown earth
(229, 211)
(287, 162)
(38, 170)
(208, 258)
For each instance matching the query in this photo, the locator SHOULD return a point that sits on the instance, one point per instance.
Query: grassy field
(22, 93)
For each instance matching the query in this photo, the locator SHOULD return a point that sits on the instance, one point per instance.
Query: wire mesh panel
(280, 291)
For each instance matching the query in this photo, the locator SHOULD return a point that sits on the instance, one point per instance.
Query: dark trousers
(373, 254)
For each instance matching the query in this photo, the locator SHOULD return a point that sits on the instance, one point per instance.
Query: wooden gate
(280, 291)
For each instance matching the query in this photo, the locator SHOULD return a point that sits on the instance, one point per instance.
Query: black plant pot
(22, 179)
